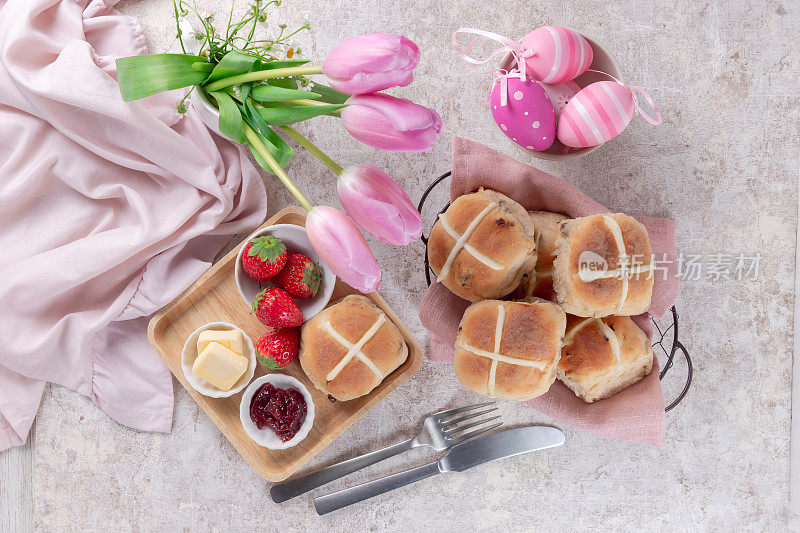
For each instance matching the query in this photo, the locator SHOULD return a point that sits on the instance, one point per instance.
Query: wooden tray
(213, 298)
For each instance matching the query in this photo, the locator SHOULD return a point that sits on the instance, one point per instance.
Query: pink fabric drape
(108, 210)
(636, 413)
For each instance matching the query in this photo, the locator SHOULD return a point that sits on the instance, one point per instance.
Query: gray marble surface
(724, 165)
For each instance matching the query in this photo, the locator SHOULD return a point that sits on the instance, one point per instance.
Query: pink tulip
(341, 246)
(379, 205)
(391, 123)
(370, 63)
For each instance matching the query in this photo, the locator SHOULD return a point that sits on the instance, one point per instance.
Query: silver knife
(471, 453)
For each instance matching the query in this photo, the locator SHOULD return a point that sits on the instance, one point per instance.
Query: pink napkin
(108, 210)
(636, 413)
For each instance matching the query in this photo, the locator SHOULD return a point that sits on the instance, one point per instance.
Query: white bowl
(266, 437)
(296, 240)
(190, 354)
(604, 61)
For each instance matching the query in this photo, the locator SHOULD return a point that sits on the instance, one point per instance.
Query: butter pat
(220, 366)
(230, 338)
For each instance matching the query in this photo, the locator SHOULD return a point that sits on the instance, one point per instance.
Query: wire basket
(665, 331)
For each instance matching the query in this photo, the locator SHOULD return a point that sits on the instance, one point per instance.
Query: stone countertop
(724, 166)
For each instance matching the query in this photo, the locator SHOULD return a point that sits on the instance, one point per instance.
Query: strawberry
(277, 347)
(274, 307)
(300, 277)
(263, 257)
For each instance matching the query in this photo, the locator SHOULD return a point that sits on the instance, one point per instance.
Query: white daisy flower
(192, 39)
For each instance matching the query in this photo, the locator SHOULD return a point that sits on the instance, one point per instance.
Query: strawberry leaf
(312, 277)
(258, 298)
(267, 247)
(268, 361)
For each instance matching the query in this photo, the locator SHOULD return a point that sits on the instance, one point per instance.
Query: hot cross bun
(482, 246)
(350, 347)
(509, 350)
(602, 356)
(603, 266)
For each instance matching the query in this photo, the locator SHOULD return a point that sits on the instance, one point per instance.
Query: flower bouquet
(261, 87)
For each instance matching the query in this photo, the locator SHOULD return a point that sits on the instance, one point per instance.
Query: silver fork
(439, 431)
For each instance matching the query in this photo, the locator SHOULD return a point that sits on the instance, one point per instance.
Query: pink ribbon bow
(656, 120)
(517, 50)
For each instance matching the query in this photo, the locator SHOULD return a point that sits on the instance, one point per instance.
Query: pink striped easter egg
(599, 112)
(559, 54)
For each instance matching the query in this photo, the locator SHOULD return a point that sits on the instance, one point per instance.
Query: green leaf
(274, 144)
(267, 247)
(287, 63)
(282, 151)
(268, 362)
(254, 118)
(230, 118)
(231, 64)
(270, 93)
(260, 160)
(329, 94)
(245, 89)
(202, 66)
(141, 76)
(272, 149)
(291, 82)
(258, 299)
(283, 116)
(279, 149)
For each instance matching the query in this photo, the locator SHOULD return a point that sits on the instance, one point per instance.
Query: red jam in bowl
(282, 410)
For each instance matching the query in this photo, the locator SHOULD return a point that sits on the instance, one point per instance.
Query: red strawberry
(278, 347)
(300, 277)
(274, 307)
(263, 257)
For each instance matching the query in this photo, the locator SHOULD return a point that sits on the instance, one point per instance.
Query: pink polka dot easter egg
(560, 94)
(559, 54)
(527, 118)
(599, 112)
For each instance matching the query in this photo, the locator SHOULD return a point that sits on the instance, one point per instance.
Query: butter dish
(190, 355)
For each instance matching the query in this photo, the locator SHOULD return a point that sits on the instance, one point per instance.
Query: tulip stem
(311, 103)
(262, 75)
(258, 146)
(311, 147)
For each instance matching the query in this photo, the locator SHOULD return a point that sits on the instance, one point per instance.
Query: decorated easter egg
(527, 117)
(558, 54)
(599, 112)
(560, 94)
